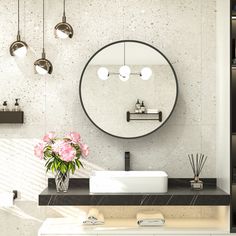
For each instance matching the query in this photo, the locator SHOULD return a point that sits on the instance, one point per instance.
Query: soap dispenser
(137, 107)
(17, 106)
(143, 108)
(5, 107)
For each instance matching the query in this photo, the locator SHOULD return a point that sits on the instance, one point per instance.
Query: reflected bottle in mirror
(137, 107)
(143, 108)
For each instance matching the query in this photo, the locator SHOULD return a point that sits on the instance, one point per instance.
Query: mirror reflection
(128, 89)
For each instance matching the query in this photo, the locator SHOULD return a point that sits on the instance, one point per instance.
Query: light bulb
(63, 30)
(124, 73)
(123, 78)
(18, 48)
(60, 34)
(146, 73)
(40, 70)
(103, 73)
(43, 66)
(20, 52)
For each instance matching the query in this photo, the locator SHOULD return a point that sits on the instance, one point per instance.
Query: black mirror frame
(124, 41)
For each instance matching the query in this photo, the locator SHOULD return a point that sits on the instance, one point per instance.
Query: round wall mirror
(128, 89)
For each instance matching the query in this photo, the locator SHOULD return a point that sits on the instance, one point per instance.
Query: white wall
(223, 94)
(183, 30)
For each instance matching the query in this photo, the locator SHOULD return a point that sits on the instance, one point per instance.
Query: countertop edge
(178, 195)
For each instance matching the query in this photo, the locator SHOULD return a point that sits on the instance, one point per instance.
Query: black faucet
(127, 161)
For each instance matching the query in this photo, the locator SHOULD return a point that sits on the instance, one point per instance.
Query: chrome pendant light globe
(18, 48)
(43, 66)
(63, 30)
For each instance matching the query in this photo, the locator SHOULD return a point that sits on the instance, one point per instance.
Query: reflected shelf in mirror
(129, 114)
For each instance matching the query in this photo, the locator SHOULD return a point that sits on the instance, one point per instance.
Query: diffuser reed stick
(197, 163)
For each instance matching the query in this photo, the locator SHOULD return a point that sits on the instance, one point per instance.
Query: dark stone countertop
(179, 193)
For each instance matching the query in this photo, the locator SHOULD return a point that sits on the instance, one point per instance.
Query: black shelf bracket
(143, 116)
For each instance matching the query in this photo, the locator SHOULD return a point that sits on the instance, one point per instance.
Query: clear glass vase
(62, 181)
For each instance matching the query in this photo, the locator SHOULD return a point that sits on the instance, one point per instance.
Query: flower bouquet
(62, 156)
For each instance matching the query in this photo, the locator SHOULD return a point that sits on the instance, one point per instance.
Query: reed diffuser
(197, 163)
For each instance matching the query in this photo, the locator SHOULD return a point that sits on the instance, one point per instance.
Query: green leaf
(81, 164)
(73, 167)
(77, 163)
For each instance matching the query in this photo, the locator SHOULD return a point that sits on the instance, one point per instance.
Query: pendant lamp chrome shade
(18, 48)
(43, 66)
(63, 30)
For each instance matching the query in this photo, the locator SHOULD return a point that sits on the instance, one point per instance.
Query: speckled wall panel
(184, 30)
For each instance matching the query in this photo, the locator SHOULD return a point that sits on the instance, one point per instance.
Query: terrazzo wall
(184, 30)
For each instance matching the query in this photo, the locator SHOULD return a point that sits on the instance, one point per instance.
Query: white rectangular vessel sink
(128, 182)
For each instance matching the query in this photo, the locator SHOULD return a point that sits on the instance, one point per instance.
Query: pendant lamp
(18, 48)
(43, 66)
(63, 30)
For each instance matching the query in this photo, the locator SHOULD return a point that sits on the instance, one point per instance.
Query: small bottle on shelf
(137, 107)
(5, 107)
(17, 106)
(143, 108)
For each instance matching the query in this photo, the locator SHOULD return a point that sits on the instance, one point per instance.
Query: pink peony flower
(57, 145)
(38, 150)
(74, 137)
(84, 149)
(67, 152)
(49, 136)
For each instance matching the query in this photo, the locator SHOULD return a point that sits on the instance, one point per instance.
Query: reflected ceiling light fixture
(18, 48)
(43, 66)
(63, 30)
(124, 71)
(146, 73)
(103, 73)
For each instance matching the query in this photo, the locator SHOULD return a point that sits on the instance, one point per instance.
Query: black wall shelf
(11, 117)
(144, 116)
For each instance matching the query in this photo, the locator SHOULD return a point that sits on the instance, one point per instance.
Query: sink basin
(128, 182)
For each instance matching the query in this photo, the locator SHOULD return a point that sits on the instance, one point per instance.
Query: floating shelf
(11, 117)
(179, 194)
(143, 116)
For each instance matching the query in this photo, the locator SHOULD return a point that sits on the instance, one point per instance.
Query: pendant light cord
(124, 53)
(18, 26)
(64, 8)
(123, 21)
(43, 31)
(64, 11)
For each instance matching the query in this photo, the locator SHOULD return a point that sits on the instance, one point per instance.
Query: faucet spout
(127, 161)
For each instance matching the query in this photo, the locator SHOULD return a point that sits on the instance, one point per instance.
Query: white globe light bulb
(103, 73)
(124, 73)
(146, 73)
(123, 78)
